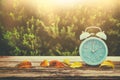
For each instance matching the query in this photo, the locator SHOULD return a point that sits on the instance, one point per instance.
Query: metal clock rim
(80, 53)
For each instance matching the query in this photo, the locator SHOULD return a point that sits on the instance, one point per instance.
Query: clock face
(93, 51)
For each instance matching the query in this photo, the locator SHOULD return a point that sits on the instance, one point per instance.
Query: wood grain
(8, 71)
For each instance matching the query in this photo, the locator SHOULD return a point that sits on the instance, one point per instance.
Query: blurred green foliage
(31, 31)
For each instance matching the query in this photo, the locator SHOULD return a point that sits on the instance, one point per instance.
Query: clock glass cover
(93, 51)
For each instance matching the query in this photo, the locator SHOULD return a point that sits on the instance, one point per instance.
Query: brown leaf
(24, 64)
(57, 64)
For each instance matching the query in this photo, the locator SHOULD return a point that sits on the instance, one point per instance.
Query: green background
(27, 29)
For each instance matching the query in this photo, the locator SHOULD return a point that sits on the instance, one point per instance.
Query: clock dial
(93, 51)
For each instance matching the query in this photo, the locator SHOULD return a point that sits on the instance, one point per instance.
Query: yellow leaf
(107, 63)
(44, 63)
(76, 65)
(66, 61)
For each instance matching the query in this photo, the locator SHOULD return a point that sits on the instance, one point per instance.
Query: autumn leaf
(24, 64)
(66, 61)
(44, 63)
(57, 64)
(76, 65)
(107, 63)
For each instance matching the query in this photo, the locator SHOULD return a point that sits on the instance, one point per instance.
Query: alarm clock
(93, 50)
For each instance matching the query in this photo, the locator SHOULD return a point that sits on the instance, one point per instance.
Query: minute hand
(98, 48)
(93, 45)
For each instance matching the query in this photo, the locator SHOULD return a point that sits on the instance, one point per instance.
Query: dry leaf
(76, 65)
(44, 63)
(66, 61)
(24, 64)
(57, 64)
(107, 63)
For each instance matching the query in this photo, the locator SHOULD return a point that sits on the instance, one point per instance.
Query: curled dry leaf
(107, 63)
(66, 61)
(57, 64)
(24, 64)
(44, 63)
(76, 65)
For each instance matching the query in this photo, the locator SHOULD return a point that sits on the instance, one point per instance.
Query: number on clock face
(93, 51)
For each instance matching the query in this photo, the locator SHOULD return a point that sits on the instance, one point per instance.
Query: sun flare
(64, 3)
(55, 5)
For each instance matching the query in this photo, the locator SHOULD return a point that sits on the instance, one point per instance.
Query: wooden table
(8, 71)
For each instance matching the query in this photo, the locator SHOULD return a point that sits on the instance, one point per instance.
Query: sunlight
(63, 3)
(46, 27)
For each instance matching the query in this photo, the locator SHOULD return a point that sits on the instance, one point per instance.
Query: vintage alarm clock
(93, 50)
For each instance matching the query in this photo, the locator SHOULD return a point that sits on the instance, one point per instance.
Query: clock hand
(94, 50)
(97, 48)
(93, 45)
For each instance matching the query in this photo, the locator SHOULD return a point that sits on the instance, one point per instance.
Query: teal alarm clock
(93, 50)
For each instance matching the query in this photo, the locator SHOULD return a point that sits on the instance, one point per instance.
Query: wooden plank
(40, 58)
(58, 73)
(11, 61)
(44, 72)
(8, 71)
